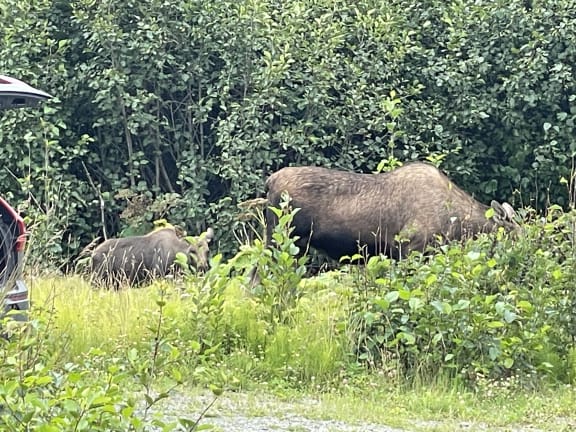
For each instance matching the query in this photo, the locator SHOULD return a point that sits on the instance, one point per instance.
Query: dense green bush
(181, 109)
(498, 306)
(496, 87)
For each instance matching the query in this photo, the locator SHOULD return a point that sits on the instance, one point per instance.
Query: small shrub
(283, 327)
(281, 266)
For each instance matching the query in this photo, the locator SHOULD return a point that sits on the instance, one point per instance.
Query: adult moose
(139, 259)
(391, 213)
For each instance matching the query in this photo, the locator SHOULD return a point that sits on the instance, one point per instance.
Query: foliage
(495, 307)
(99, 391)
(200, 323)
(188, 106)
(487, 318)
(275, 328)
(280, 266)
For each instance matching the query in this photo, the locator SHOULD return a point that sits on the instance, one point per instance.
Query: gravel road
(228, 414)
(253, 413)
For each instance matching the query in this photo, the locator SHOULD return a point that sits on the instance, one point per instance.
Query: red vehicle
(14, 94)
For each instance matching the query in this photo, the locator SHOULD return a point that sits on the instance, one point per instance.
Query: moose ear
(510, 213)
(503, 211)
(209, 234)
(499, 212)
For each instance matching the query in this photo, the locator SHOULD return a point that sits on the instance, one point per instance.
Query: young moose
(140, 259)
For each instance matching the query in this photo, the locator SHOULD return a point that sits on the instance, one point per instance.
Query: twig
(202, 414)
(100, 199)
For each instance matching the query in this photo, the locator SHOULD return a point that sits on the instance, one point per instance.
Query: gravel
(292, 423)
(228, 414)
(237, 412)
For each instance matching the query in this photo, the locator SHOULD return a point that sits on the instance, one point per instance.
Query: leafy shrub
(494, 307)
(201, 322)
(279, 328)
(40, 392)
(280, 266)
(190, 106)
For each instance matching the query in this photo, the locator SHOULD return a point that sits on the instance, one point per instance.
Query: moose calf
(140, 259)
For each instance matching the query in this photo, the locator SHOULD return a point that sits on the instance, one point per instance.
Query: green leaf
(392, 296)
(495, 324)
(431, 279)
(404, 294)
(408, 338)
(382, 303)
(441, 306)
(415, 303)
(509, 316)
(462, 304)
(473, 255)
(216, 390)
(493, 353)
(525, 305)
(508, 362)
(437, 338)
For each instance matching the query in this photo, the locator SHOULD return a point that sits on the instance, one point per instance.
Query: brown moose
(140, 259)
(391, 213)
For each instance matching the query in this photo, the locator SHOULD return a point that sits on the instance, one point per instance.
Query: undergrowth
(489, 317)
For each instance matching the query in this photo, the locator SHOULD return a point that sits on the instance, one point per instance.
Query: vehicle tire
(7, 254)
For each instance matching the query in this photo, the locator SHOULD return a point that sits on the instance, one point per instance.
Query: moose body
(393, 213)
(139, 259)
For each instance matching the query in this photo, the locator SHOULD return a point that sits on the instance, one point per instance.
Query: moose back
(391, 213)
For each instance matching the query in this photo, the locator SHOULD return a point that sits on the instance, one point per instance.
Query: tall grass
(310, 347)
(90, 318)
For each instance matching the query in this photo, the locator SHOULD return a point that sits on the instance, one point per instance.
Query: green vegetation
(453, 336)
(180, 109)
(61, 379)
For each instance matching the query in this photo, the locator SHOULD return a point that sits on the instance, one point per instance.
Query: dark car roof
(16, 94)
